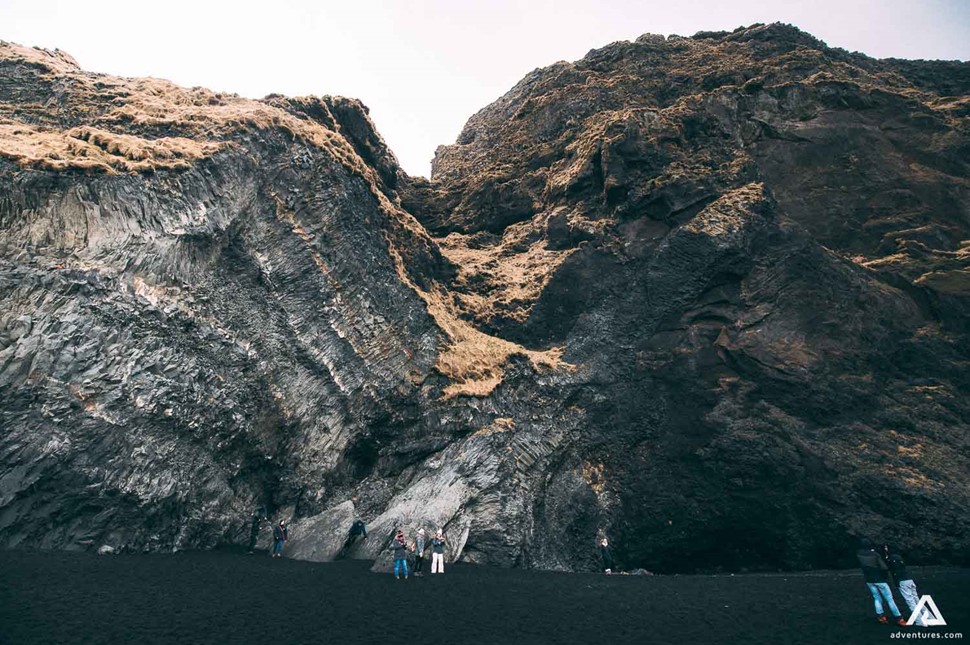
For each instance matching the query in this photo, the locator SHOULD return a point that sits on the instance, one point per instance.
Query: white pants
(907, 589)
(437, 563)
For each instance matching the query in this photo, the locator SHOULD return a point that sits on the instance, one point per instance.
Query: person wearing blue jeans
(400, 549)
(279, 537)
(875, 571)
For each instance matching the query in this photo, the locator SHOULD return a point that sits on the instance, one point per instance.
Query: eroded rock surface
(707, 294)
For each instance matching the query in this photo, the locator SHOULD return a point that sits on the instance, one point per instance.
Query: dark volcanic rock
(707, 294)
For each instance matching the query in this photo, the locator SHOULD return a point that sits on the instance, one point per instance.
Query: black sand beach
(230, 597)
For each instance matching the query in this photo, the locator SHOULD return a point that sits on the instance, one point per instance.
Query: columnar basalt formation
(709, 295)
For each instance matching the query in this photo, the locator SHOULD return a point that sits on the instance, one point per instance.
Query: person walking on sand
(438, 553)
(279, 537)
(904, 582)
(606, 555)
(875, 571)
(399, 548)
(419, 546)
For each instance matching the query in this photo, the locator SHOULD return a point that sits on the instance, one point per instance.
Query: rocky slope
(709, 295)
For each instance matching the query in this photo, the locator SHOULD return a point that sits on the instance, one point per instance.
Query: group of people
(878, 566)
(280, 534)
(401, 547)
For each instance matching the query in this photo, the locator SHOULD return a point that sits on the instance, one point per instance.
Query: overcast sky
(424, 66)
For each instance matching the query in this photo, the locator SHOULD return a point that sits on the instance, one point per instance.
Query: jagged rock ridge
(708, 294)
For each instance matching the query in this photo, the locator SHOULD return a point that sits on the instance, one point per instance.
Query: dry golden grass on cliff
(473, 360)
(137, 125)
(940, 270)
(509, 276)
(87, 148)
(55, 61)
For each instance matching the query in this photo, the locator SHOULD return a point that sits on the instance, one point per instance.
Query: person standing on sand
(254, 530)
(606, 555)
(438, 553)
(279, 537)
(876, 572)
(419, 547)
(904, 582)
(399, 548)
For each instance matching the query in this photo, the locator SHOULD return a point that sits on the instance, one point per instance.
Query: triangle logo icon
(932, 616)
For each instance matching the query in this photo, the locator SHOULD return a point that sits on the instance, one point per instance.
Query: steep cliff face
(708, 294)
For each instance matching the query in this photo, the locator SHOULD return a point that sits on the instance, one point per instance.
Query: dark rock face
(709, 295)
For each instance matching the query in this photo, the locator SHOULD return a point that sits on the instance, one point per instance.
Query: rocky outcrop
(706, 294)
(323, 537)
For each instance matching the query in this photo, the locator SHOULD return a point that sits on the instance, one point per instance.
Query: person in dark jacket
(419, 546)
(279, 537)
(876, 574)
(606, 555)
(904, 582)
(399, 548)
(358, 529)
(438, 553)
(254, 530)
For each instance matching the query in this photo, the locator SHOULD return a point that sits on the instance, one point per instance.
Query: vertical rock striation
(707, 294)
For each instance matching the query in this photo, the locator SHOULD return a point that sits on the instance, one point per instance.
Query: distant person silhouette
(876, 574)
(399, 548)
(904, 582)
(438, 553)
(257, 521)
(279, 537)
(606, 555)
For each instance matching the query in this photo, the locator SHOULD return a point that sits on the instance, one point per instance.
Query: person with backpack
(438, 553)
(279, 537)
(399, 548)
(904, 582)
(876, 573)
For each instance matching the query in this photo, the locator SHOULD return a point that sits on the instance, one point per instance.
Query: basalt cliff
(708, 295)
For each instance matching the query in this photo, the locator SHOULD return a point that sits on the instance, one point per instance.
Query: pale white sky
(425, 66)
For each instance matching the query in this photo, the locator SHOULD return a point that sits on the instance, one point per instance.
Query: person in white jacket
(438, 553)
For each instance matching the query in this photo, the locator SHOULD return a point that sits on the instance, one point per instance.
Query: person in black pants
(257, 521)
(606, 555)
(419, 545)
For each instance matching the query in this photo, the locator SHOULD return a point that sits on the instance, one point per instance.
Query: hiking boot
(901, 621)
(883, 620)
